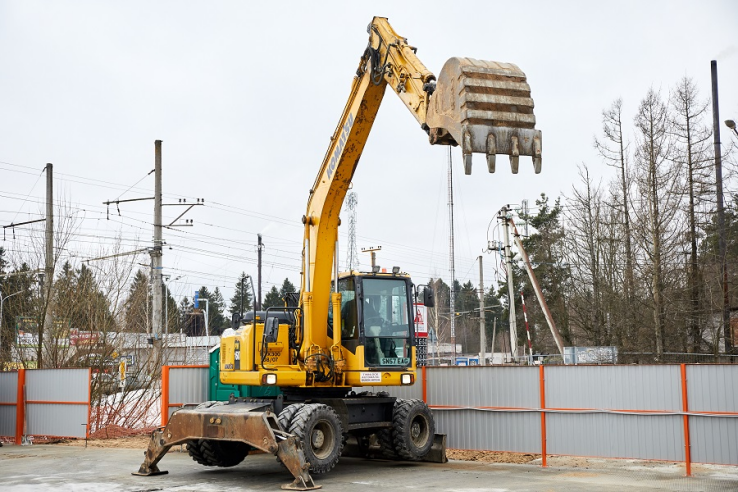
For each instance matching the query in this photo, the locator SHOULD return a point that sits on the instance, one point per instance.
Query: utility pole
(49, 269)
(452, 300)
(539, 293)
(156, 257)
(156, 251)
(720, 210)
(492, 349)
(482, 334)
(260, 247)
(504, 215)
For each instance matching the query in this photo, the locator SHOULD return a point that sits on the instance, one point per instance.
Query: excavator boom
(483, 106)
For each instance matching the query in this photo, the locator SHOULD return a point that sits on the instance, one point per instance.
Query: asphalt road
(62, 468)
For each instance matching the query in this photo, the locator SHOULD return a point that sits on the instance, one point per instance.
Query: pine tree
(287, 288)
(241, 295)
(273, 298)
(138, 304)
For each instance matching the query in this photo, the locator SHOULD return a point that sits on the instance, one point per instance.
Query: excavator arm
(485, 107)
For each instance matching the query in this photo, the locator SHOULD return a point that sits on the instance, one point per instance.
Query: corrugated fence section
(486, 408)
(712, 401)
(58, 402)
(615, 411)
(180, 386)
(685, 413)
(45, 402)
(682, 412)
(8, 403)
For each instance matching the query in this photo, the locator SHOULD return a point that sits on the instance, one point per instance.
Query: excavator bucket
(252, 423)
(485, 107)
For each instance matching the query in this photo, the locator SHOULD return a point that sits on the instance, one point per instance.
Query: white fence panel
(58, 402)
(8, 396)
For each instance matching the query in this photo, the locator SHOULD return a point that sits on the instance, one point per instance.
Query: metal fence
(685, 413)
(45, 402)
(180, 386)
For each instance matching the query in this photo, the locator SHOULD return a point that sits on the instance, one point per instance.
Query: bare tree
(691, 150)
(614, 150)
(586, 240)
(659, 189)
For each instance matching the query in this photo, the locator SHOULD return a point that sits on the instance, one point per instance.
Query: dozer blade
(485, 107)
(252, 423)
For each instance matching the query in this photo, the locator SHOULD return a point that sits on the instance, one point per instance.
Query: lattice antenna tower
(352, 257)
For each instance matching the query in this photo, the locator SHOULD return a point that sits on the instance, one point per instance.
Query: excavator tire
(285, 416)
(413, 429)
(209, 452)
(319, 428)
(386, 444)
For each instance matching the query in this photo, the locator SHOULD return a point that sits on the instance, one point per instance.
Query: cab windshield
(386, 322)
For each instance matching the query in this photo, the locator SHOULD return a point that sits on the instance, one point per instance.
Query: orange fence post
(20, 407)
(164, 395)
(89, 402)
(542, 385)
(685, 409)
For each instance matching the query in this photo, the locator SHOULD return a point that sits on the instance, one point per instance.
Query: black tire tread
(285, 416)
(209, 452)
(401, 421)
(386, 444)
(299, 426)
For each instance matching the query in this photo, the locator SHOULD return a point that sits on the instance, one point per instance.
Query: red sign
(77, 337)
(421, 329)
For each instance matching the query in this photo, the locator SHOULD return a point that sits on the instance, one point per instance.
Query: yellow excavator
(352, 331)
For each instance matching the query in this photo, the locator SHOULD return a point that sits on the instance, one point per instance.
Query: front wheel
(413, 429)
(319, 428)
(209, 452)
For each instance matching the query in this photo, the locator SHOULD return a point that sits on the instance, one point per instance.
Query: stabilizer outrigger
(251, 423)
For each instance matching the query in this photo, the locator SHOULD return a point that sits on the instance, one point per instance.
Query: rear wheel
(319, 428)
(209, 452)
(413, 429)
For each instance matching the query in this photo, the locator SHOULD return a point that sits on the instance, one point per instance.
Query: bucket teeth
(466, 151)
(491, 152)
(485, 107)
(537, 154)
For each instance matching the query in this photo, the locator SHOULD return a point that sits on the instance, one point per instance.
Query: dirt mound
(490, 456)
(116, 432)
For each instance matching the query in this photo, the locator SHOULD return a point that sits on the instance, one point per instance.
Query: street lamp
(731, 124)
(166, 301)
(2, 300)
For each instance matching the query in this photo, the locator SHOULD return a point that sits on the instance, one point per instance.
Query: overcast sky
(246, 95)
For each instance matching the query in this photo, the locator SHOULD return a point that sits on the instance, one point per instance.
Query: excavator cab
(376, 314)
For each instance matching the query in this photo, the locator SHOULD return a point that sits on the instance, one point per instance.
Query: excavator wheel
(413, 429)
(319, 428)
(285, 416)
(386, 444)
(217, 453)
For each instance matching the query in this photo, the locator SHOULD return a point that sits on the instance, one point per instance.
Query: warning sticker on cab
(371, 377)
